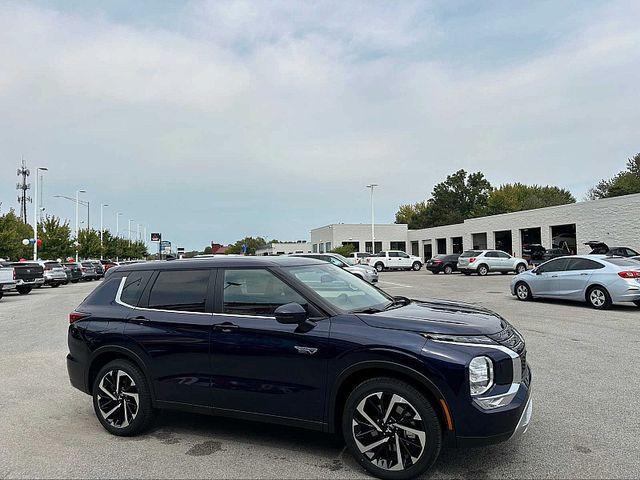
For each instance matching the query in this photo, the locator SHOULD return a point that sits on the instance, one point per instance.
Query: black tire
(482, 270)
(598, 297)
(435, 272)
(416, 266)
(23, 289)
(521, 268)
(636, 303)
(75, 281)
(379, 266)
(523, 291)
(426, 448)
(448, 269)
(1, 293)
(467, 273)
(55, 285)
(504, 273)
(122, 400)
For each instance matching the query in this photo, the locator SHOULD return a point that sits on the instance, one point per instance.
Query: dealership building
(614, 221)
(284, 248)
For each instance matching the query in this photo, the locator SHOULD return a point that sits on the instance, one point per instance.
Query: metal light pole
(373, 228)
(78, 192)
(138, 234)
(118, 223)
(130, 220)
(102, 225)
(35, 215)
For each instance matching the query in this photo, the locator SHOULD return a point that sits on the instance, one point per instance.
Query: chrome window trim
(517, 372)
(124, 304)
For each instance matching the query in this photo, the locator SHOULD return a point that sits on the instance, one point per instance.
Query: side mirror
(291, 314)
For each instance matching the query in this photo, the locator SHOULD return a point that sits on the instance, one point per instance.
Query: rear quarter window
(134, 285)
(105, 294)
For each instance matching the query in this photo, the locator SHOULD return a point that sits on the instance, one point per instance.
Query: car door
(545, 283)
(393, 260)
(404, 260)
(172, 325)
(260, 365)
(492, 261)
(572, 282)
(505, 262)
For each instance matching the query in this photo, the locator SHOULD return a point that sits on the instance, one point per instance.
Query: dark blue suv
(299, 342)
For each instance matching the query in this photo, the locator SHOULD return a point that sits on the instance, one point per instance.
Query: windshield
(340, 288)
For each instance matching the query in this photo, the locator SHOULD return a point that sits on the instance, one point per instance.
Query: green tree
(207, 250)
(459, 197)
(514, 197)
(251, 243)
(624, 183)
(344, 250)
(56, 239)
(12, 232)
(89, 240)
(416, 215)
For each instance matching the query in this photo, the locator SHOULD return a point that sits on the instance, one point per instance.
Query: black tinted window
(558, 265)
(181, 290)
(256, 292)
(133, 287)
(583, 264)
(470, 253)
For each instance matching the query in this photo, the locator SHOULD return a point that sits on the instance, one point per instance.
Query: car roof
(221, 261)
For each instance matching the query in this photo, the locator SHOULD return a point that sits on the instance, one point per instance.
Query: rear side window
(470, 253)
(103, 295)
(583, 264)
(134, 286)
(180, 290)
(622, 262)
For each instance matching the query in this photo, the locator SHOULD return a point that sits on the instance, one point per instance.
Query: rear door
(573, 281)
(258, 364)
(172, 326)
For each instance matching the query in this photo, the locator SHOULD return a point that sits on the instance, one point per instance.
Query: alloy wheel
(522, 291)
(389, 431)
(597, 297)
(448, 269)
(118, 398)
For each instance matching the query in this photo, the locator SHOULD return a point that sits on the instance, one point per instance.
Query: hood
(439, 317)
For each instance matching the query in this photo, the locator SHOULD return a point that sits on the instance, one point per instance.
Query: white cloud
(250, 100)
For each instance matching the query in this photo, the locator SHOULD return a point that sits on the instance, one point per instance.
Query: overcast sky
(215, 120)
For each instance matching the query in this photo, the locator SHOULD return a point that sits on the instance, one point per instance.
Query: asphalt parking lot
(585, 422)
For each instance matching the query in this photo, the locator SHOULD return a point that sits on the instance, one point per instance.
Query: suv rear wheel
(483, 270)
(121, 398)
(391, 429)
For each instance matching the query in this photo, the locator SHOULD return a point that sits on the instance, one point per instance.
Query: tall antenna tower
(22, 186)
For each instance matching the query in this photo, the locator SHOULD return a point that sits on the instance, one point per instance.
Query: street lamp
(118, 223)
(130, 220)
(35, 215)
(373, 228)
(102, 225)
(78, 192)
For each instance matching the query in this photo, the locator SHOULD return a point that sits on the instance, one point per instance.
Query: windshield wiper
(367, 310)
(397, 303)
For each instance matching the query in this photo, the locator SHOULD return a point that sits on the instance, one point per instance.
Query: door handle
(226, 327)
(584, 274)
(554, 276)
(139, 319)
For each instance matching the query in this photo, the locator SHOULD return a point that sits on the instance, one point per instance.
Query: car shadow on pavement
(330, 449)
(621, 307)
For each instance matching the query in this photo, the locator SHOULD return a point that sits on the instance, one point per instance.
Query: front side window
(502, 255)
(340, 288)
(256, 292)
(403, 255)
(557, 265)
(180, 290)
(394, 254)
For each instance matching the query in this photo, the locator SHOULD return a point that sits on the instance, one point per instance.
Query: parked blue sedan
(598, 280)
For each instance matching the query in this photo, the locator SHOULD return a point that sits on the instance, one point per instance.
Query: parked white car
(484, 261)
(394, 260)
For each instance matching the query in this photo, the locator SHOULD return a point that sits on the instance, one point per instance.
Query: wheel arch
(358, 373)
(106, 354)
(592, 286)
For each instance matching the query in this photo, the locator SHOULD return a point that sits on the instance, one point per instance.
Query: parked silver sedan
(598, 280)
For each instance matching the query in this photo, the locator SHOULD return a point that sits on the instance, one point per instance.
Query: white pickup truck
(7, 280)
(394, 260)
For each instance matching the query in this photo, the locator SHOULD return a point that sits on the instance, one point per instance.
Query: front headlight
(480, 375)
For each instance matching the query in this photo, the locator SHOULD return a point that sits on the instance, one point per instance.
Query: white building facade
(285, 248)
(387, 237)
(615, 221)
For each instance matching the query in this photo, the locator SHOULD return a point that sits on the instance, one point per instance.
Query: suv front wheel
(121, 399)
(391, 429)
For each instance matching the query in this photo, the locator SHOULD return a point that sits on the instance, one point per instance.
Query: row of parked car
(23, 277)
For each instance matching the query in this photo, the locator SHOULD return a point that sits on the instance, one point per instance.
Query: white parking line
(395, 284)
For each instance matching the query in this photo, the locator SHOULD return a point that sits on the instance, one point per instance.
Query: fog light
(480, 375)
